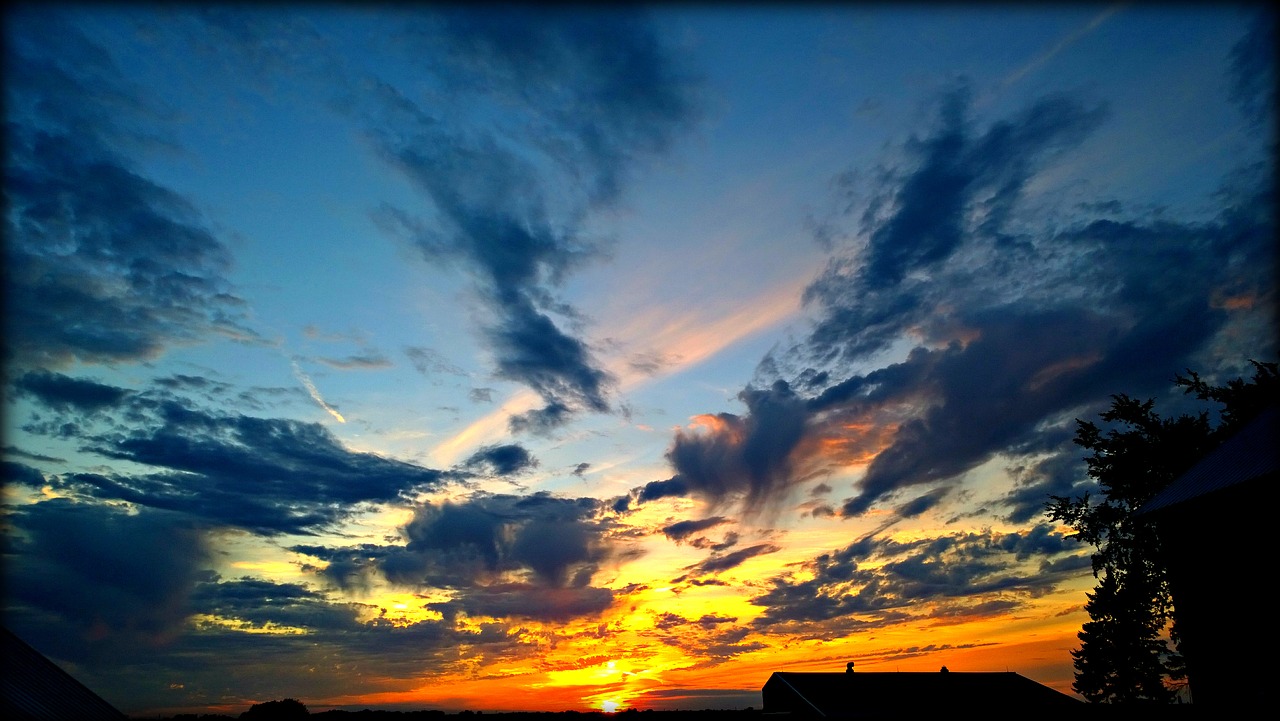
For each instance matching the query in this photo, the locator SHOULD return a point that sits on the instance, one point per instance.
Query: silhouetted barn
(913, 695)
(36, 688)
(1215, 524)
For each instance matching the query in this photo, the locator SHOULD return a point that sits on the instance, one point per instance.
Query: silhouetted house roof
(1215, 524)
(36, 688)
(871, 694)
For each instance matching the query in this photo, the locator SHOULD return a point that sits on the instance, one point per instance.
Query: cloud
(265, 605)
(267, 475)
(681, 530)
(957, 186)
(653, 490)
(502, 460)
(263, 636)
(314, 392)
(102, 264)
(514, 259)
(523, 600)
(730, 457)
(603, 90)
(723, 562)
(960, 573)
(64, 393)
(22, 474)
(1252, 72)
(540, 421)
(428, 362)
(366, 360)
(20, 453)
(523, 556)
(104, 572)
(999, 321)
(595, 94)
(458, 544)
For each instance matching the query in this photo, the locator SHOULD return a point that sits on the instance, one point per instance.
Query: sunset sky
(531, 359)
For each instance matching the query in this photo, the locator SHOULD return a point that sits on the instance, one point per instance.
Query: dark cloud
(729, 458)
(595, 93)
(1016, 319)
(64, 393)
(502, 460)
(723, 562)
(602, 89)
(513, 263)
(20, 453)
(653, 490)
(743, 457)
(682, 530)
(103, 571)
(540, 421)
(263, 605)
(21, 474)
(962, 573)
(102, 264)
(523, 600)
(185, 382)
(920, 504)
(1058, 474)
(959, 186)
(456, 544)
(252, 638)
(267, 475)
(524, 556)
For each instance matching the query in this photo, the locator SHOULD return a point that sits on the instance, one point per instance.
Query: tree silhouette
(289, 709)
(1124, 657)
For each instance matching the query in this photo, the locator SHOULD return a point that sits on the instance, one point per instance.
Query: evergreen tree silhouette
(1124, 656)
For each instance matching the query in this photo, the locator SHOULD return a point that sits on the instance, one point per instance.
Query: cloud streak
(314, 392)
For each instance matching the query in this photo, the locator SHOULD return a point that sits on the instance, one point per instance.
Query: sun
(609, 706)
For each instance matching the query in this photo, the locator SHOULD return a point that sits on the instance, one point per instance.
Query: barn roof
(837, 695)
(1251, 453)
(36, 688)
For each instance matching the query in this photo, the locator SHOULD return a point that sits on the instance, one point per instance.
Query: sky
(555, 358)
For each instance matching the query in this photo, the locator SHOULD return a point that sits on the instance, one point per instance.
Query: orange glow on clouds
(662, 635)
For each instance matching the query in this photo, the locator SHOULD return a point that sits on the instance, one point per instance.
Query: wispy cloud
(1066, 42)
(305, 380)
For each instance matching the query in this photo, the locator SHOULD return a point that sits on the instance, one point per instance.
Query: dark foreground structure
(1215, 523)
(33, 687)
(864, 695)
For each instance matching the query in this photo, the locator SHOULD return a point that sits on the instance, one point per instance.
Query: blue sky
(550, 358)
